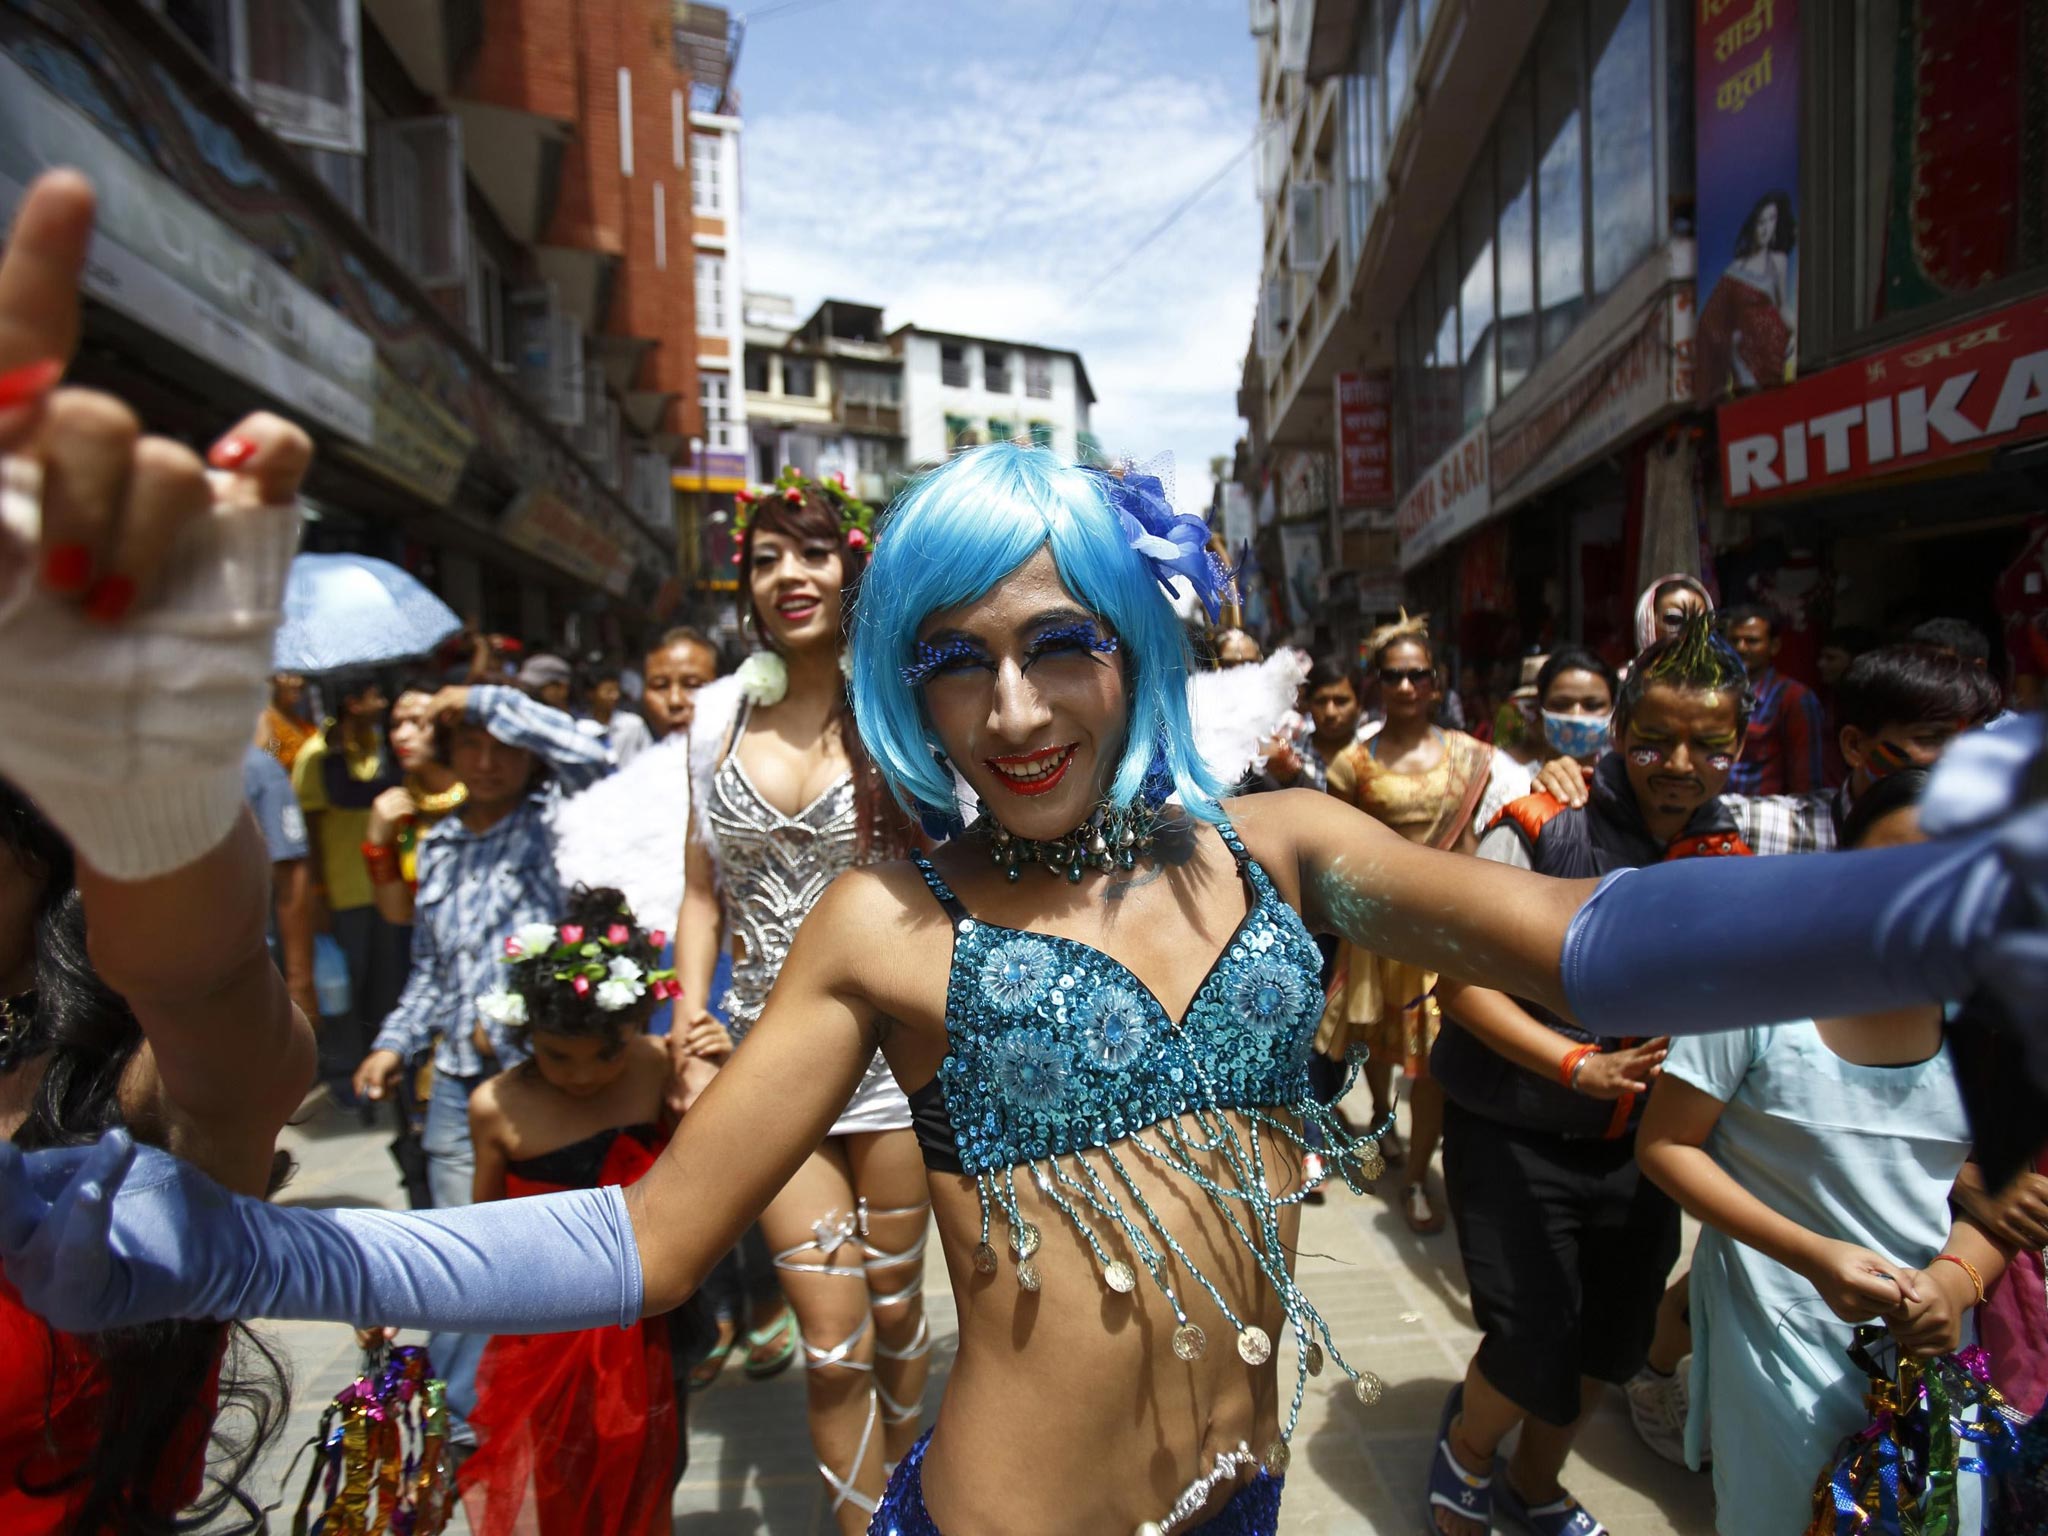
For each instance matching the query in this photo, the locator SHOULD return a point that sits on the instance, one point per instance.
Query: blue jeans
(451, 1171)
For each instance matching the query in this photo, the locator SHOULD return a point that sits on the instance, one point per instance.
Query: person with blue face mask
(1576, 692)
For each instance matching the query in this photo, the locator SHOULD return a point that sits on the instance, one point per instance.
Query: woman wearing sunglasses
(1426, 783)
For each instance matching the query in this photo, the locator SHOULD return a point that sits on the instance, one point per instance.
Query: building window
(707, 175)
(953, 365)
(710, 295)
(1475, 294)
(298, 63)
(1038, 377)
(1560, 181)
(800, 377)
(1515, 245)
(340, 172)
(1041, 434)
(1001, 429)
(871, 455)
(995, 370)
(660, 227)
(1305, 226)
(870, 387)
(676, 138)
(757, 372)
(419, 206)
(714, 393)
(625, 121)
(1397, 37)
(1624, 173)
(487, 306)
(959, 431)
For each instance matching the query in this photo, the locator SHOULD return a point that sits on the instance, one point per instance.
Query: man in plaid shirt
(1782, 751)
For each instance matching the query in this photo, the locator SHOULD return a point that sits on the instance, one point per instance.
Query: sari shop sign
(1973, 387)
(1365, 439)
(543, 524)
(1453, 496)
(1746, 175)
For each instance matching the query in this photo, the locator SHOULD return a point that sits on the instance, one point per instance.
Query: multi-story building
(1619, 267)
(825, 395)
(448, 238)
(959, 390)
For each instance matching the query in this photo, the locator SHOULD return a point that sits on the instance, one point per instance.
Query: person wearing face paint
(1539, 1131)
(784, 799)
(1427, 783)
(578, 1434)
(1107, 1051)
(1667, 605)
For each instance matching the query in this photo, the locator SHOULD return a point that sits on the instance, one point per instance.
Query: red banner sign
(1365, 439)
(1971, 387)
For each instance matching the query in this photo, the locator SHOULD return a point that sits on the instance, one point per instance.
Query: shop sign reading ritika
(1455, 494)
(1746, 175)
(1365, 439)
(1974, 386)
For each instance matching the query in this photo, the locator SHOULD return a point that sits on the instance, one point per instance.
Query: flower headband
(1172, 543)
(856, 517)
(584, 962)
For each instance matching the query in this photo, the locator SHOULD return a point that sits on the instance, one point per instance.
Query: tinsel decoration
(1900, 1474)
(381, 1463)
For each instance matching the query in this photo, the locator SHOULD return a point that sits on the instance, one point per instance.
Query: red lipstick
(1033, 773)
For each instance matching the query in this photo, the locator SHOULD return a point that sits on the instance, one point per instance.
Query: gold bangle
(1967, 1268)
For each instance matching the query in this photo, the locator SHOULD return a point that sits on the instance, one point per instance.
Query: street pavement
(1396, 1303)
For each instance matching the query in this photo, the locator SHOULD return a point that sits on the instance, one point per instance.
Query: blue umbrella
(352, 611)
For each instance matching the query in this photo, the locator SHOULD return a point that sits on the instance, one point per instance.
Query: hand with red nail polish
(231, 453)
(29, 383)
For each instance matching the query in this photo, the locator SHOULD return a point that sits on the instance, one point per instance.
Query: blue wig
(950, 538)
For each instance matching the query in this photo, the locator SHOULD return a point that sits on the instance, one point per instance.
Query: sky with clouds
(983, 167)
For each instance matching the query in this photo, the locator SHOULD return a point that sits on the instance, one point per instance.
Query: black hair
(1958, 635)
(1741, 613)
(1893, 792)
(1783, 238)
(553, 1007)
(1696, 659)
(1913, 683)
(1573, 658)
(683, 634)
(1328, 672)
(85, 1035)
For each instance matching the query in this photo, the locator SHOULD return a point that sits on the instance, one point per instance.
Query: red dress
(51, 1395)
(1742, 321)
(584, 1425)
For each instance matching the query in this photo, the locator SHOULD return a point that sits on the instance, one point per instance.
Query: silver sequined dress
(773, 868)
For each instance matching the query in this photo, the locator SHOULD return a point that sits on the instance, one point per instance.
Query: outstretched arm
(96, 1237)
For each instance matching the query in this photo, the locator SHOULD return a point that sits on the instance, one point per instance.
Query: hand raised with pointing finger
(138, 590)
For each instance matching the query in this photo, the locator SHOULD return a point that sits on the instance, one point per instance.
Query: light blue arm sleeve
(578, 758)
(1716, 1064)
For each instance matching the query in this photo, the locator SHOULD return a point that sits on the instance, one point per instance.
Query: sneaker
(1657, 1405)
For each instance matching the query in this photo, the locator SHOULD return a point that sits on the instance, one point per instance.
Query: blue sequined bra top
(1062, 1065)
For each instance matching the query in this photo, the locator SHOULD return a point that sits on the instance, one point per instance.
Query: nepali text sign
(543, 524)
(1971, 387)
(1365, 439)
(1453, 496)
(1646, 374)
(1746, 175)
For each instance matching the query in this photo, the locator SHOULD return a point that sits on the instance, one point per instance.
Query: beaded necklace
(1113, 837)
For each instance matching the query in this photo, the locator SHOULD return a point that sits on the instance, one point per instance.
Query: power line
(1173, 218)
(777, 10)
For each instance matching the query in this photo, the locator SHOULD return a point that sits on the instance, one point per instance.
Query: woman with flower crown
(784, 801)
(1101, 996)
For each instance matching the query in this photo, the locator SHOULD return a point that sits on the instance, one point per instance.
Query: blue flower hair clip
(1172, 543)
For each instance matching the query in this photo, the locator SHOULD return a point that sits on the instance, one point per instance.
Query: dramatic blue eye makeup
(1078, 637)
(953, 655)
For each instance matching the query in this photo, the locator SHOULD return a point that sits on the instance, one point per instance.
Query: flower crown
(856, 517)
(584, 961)
(1172, 543)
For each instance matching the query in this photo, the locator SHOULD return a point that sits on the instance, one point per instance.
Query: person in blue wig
(1100, 995)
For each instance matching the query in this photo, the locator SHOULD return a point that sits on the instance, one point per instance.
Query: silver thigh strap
(830, 1233)
(874, 1259)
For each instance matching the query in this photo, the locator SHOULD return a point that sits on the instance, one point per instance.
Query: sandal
(705, 1371)
(1561, 1517)
(1451, 1487)
(1393, 1152)
(1417, 1210)
(760, 1368)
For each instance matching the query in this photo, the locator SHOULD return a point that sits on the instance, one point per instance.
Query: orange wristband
(1571, 1061)
(1967, 1268)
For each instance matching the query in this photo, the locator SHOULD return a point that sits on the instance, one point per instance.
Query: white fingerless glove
(130, 737)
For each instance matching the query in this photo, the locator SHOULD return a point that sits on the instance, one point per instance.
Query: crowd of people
(653, 1118)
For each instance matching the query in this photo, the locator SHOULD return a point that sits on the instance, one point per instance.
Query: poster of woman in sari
(1747, 322)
